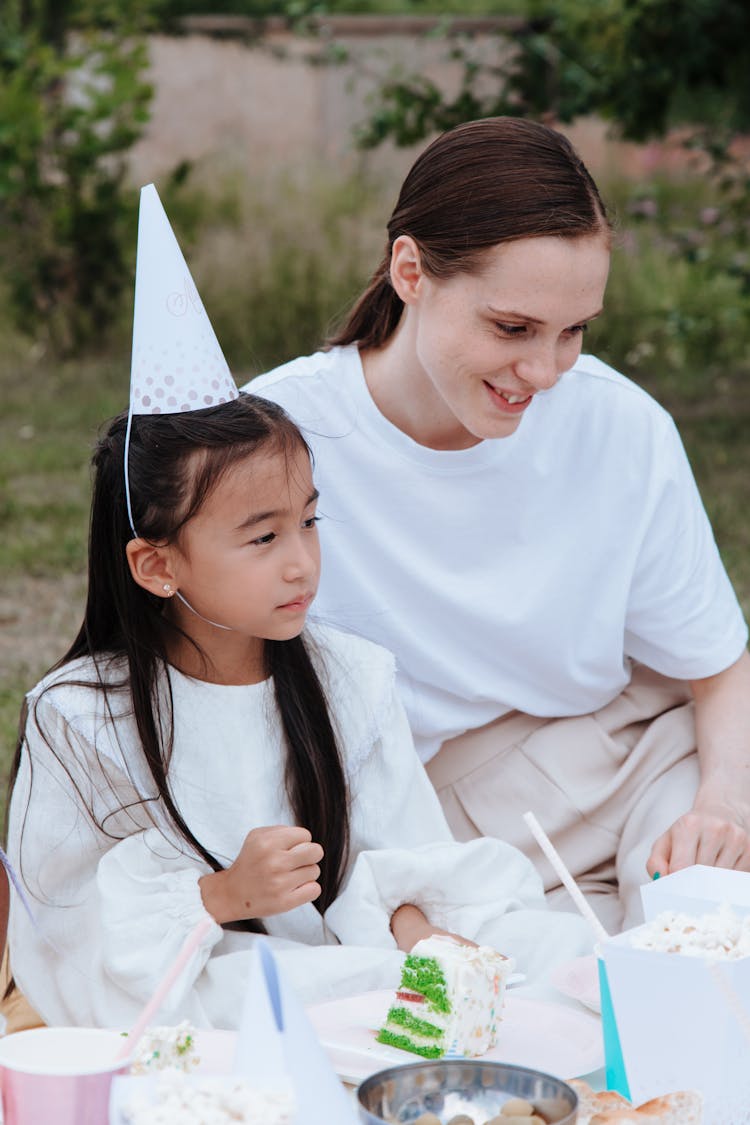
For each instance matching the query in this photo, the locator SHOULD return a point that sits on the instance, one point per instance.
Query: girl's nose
(303, 560)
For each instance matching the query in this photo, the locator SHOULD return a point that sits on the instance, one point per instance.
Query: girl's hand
(275, 871)
(409, 925)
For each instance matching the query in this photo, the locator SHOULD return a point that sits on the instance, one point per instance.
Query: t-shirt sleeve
(683, 616)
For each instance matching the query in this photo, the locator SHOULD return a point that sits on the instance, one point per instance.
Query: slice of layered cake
(449, 1000)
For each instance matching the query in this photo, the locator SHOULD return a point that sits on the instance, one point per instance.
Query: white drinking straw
(566, 878)
(191, 943)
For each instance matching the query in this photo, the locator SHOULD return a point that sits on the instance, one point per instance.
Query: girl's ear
(151, 567)
(406, 268)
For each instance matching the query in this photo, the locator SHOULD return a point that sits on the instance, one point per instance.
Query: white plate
(215, 1051)
(534, 1033)
(579, 979)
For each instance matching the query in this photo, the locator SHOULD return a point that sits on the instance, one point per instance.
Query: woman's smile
(507, 402)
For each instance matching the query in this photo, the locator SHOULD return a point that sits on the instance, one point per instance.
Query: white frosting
(210, 1101)
(721, 935)
(458, 959)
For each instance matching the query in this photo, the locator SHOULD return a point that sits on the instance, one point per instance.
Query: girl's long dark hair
(174, 462)
(483, 183)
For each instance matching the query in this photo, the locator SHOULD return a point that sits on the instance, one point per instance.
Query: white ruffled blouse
(113, 903)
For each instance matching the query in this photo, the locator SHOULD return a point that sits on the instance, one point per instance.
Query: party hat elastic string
(208, 620)
(16, 884)
(127, 475)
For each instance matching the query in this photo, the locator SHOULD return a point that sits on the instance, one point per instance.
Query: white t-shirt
(522, 573)
(113, 906)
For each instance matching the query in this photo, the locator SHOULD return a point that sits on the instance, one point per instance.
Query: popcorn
(209, 1101)
(722, 935)
(162, 1047)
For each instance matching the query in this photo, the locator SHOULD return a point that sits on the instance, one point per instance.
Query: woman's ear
(151, 567)
(406, 268)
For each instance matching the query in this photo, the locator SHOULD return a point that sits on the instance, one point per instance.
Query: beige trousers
(603, 786)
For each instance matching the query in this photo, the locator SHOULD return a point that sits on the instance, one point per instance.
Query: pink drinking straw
(566, 878)
(191, 943)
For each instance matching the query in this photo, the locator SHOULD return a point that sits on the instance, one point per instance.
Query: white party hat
(177, 363)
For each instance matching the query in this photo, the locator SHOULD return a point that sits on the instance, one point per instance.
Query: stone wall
(272, 103)
(226, 99)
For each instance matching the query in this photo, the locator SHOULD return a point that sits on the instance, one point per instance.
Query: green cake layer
(423, 974)
(414, 1024)
(406, 1044)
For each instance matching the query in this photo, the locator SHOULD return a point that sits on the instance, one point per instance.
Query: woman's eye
(310, 522)
(511, 329)
(577, 329)
(263, 539)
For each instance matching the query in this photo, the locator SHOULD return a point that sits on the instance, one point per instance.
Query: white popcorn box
(678, 1029)
(697, 890)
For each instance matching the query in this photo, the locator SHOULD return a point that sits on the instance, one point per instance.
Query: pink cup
(58, 1074)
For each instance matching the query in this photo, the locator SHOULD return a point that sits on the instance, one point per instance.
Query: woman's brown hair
(486, 182)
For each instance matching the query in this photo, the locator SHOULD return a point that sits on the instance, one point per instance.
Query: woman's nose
(539, 368)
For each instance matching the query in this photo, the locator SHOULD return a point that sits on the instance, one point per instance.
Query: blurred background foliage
(72, 103)
(74, 98)
(276, 272)
(169, 12)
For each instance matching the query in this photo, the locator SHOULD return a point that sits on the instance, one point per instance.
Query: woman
(519, 524)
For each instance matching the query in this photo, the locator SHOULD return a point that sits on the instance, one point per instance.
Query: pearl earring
(168, 590)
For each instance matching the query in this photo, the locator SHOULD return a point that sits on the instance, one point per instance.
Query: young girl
(197, 752)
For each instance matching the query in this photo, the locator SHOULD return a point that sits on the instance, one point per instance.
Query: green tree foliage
(651, 66)
(72, 102)
(647, 66)
(167, 13)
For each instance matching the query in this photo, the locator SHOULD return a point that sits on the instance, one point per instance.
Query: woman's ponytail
(376, 313)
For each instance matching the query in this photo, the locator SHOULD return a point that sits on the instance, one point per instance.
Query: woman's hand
(716, 831)
(409, 925)
(275, 871)
(715, 835)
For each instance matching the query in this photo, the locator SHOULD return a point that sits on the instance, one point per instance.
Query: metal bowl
(398, 1096)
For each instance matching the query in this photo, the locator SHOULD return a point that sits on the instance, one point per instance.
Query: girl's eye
(263, 539)
(308, 524)
(577, 329)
